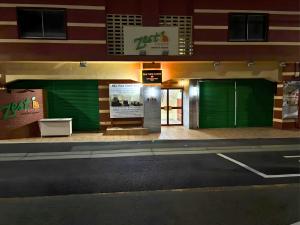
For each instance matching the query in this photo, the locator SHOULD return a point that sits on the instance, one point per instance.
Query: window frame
(266, 17)
(43, 10)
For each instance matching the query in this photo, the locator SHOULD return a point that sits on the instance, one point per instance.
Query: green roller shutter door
(254, 103)
(75, 99)
(216, 104)
(78, 100)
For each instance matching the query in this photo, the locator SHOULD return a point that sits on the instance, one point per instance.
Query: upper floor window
(42, 23)
(248, 27)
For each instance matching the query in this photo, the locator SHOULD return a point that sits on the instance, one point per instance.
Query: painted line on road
(291, 156)
(297, 223)
(243, 165)
(256, 171)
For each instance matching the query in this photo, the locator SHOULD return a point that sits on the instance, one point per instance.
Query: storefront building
(147, 64)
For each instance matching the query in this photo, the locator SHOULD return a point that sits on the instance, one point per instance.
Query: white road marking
(243, 165)
(297, 223)
(291, 156)
(256, 171)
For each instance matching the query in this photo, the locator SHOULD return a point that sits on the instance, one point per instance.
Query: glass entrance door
(171, 106)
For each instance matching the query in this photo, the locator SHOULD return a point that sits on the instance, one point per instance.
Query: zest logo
(10, 110)
(141, 42)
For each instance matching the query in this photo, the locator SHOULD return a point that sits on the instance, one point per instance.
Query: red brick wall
(24, 124)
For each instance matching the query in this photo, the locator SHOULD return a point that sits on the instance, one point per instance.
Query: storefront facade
(199, 66)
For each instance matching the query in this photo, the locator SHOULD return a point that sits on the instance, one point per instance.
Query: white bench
(56, 127)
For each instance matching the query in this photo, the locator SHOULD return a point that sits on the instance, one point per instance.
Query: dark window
(42, 23)
(248, 27)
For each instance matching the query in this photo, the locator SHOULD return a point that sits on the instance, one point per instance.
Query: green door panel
(255, 103)
(76, 99)
(216, 104)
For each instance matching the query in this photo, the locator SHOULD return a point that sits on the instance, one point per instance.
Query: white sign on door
(150, 40)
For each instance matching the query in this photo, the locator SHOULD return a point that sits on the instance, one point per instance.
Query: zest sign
(154, 38)
(10, 110)
(150, 40)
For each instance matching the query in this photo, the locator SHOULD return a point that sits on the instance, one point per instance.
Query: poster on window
(126, 101)
(290, 100)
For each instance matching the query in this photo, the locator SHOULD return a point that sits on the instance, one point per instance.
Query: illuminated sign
(150, 40)
(152, 76)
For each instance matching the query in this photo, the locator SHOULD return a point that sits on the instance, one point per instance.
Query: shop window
(248, 27)
(42, 23)
(184, 24)
(115, 23)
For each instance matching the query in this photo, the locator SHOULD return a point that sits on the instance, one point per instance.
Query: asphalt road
(260, 205)
(73, 183)
(145, 173)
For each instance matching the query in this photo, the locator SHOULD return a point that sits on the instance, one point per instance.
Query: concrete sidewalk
(171, 133)
(93, 152)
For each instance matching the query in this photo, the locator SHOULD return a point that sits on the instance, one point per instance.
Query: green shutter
(216, 104)
(255, 103)
(73, 99)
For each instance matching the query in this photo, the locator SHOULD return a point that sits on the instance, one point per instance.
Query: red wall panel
(275, 5)
(124, 7)
(8, 32)
(86, 33)
(284, 35)
(57, 2)
(24, 123)
(211, 19)
(150, 12)
(175, 7)
(86, 16)
(284, 20)
(231, 52)
(210, 35)
(65, 52)
(8, 14)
